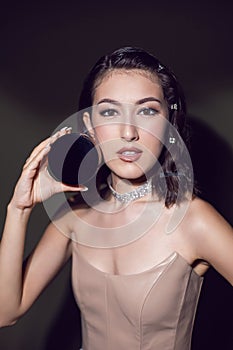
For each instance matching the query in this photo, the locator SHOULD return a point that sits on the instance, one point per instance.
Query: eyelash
(110, 112)
(152, 111)
(147, 111)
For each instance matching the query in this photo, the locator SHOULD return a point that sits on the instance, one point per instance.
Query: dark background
(45, 53)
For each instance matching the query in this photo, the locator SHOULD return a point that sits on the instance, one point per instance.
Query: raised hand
(28, 190)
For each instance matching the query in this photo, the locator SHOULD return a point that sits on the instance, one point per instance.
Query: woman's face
(128, 121)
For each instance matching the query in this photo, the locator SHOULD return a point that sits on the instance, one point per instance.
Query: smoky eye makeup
(108, 112)
(146, 107)
(149, 108)
(148, 111)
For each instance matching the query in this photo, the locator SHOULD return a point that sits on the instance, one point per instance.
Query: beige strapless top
(151, 310)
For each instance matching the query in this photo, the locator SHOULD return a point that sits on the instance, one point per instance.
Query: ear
(88, 124)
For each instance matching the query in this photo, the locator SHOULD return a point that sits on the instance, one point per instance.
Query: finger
(37, 149)
(35, 162)
(59, 133)
(79, 188)
(48, 141)
(59, 187)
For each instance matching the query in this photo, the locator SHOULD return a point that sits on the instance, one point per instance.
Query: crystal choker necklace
(127, 197)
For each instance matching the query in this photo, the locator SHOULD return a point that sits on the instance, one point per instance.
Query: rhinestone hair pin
(174, 106)
(172, 139)
(160, 67)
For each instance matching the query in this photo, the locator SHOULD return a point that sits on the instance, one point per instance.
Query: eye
(148, 111)
(110, 112)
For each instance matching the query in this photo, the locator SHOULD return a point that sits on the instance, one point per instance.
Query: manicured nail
(83, 189)
(63, 129)
(66, 128)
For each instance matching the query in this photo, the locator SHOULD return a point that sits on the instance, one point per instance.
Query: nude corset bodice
(151, 310)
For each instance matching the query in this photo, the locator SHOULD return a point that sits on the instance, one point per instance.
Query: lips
(129, 154)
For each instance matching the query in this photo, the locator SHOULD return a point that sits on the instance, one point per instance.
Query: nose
(129, 132)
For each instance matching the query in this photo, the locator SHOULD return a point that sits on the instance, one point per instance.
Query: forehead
(128, 86)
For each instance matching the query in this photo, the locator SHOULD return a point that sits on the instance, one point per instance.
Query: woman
(140, 251)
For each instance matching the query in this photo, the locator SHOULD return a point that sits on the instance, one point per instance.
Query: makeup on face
(128, 118)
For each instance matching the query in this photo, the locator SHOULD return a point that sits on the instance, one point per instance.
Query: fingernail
(66, 128)
(83, 189)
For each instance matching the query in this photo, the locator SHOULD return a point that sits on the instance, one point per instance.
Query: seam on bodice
(84, 276)
(157, 278)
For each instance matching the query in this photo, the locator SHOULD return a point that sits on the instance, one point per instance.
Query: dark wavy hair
(130, 58)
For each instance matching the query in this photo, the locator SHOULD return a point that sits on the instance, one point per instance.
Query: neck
(124, 185)
(125, 191)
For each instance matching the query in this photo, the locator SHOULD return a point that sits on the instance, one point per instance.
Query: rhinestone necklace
(127, 197)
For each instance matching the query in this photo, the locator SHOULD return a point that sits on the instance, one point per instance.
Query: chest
(138, 306)
(134, 240)
(135, 257)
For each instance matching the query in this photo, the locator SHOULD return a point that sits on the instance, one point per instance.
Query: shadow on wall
(213, 167)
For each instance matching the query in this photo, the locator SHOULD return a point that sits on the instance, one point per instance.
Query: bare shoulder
(202, 217)
(211, 236)
(71, 218)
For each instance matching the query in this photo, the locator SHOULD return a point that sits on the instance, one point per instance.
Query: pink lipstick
(129, 154)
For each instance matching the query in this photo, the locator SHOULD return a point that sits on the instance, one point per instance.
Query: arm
(17, 290)
(212, 237)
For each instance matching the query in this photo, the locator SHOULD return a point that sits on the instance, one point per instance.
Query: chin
(130, 171)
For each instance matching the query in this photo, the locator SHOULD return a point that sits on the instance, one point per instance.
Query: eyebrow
(108, 100)
(139, 102)
(147, 99)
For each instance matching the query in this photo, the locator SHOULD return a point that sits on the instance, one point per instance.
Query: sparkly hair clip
(160, 67)
(174, 106)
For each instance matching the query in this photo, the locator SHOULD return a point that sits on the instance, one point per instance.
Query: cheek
(104, 133)
(153, 139)
(107, 139)
(152, 148)
(154, 130)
